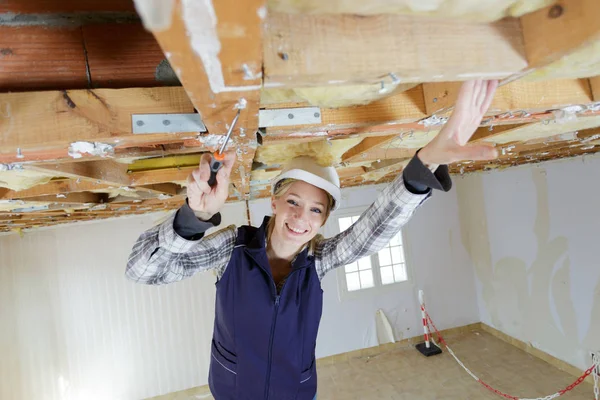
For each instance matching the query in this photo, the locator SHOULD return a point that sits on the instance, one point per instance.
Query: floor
(404, 373)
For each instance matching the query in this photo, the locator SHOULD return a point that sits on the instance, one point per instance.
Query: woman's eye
(292, 202)
(316, 210)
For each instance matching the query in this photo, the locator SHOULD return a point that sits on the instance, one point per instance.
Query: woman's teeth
(295, 230)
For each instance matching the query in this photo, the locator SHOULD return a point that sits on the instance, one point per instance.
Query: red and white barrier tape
(594, 370)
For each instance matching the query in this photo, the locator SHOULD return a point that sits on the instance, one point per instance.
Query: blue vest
(264, 343)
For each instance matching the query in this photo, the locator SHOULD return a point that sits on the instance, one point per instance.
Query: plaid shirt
(161, 256)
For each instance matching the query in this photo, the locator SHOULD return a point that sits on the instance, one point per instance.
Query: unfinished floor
(403, 374)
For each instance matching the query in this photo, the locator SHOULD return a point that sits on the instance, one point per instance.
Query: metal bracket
(174, 123)
(167, 123)
(289, 117)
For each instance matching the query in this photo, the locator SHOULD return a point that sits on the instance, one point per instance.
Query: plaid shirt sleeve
(161, 256)
(373, 230)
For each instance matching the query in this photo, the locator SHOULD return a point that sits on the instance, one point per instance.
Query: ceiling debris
(360, 86)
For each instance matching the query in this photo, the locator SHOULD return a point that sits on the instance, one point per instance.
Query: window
(386, 267)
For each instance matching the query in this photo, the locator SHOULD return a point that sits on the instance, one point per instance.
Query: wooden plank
(529, 132)
(208, 48)
(385, 153)
(55, 119)
(36, 58)
(401, 108)
(311, 50)
(367, 144)
(560, 30)
(107, 171)
(595, 86)
(515, 96)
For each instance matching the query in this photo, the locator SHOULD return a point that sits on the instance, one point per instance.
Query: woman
(269, 297)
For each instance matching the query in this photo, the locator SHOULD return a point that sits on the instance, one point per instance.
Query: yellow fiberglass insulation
(334, 96)
(583, 63)
(326, 152)
(472, 10)
(20, 179)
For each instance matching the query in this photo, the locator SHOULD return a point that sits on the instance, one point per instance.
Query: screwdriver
(216, 162)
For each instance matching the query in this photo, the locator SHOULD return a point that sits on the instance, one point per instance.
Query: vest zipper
(268, 383)
(277, 296)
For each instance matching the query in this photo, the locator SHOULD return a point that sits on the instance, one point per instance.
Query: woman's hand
(202, 199)
(450, 145)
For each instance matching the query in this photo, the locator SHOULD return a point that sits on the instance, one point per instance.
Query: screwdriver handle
(216, 162)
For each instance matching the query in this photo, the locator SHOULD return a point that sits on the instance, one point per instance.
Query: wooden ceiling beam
(37, 121)
(515, 97)
(368, 143)
(561, 33)
(217, 65)
(320, 50)
(385, 153)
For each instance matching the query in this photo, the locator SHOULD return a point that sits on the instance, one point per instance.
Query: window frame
(332, 228)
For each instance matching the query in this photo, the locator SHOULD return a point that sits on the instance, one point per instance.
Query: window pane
(387, 275)
(352, 281)
(396, 240)
(364, 263)
(384, 257)
(400, 272)
(366, 279)
(352, 267)
(344, 223)
(397, 255)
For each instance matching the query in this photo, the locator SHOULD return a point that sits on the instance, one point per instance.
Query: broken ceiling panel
(472, 10)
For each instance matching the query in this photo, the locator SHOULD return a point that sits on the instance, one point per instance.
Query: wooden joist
(55, 119)
(217, 65)
(317, 50)
(515, 96)
(369, 143)
(561, 31)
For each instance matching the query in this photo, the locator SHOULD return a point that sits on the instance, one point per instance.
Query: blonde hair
(283, 186)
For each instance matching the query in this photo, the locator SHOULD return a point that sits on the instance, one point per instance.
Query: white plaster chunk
(77, 149)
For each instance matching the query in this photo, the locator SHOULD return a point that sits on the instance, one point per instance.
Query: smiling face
(299, 212)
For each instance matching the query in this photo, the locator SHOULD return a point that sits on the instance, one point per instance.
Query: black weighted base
(428, 352)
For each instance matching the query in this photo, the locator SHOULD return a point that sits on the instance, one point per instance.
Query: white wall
(532, 234)
(72, 327)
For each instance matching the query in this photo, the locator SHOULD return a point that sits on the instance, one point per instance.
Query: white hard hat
(306, 169)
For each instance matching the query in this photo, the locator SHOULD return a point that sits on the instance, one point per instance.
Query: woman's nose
(299, 213)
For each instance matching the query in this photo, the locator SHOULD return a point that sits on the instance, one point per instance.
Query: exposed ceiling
(90, 100)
